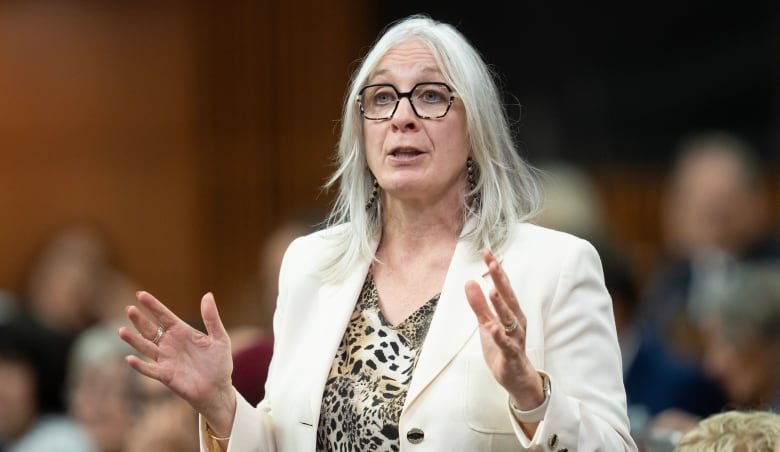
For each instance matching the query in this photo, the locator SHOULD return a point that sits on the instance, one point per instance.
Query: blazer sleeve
(587, 406)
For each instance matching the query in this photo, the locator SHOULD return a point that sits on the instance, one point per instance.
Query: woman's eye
(431, 96)
(383, 98)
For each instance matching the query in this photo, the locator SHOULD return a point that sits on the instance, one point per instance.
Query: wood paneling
(186, 130)
(96, 122)
(277, 73)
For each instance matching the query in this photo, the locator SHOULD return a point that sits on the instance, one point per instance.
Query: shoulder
(318, 243)
(533, 239)
(55, 432)
(309, 254)
(548, 257)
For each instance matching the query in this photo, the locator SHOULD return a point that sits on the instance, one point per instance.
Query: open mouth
(405, 152)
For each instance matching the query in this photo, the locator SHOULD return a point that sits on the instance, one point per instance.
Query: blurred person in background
(716, 214)
(742, 337)
(65, 285)
(120, 410)
(27, 422)
(734, 431)
(250, 362)
(655, 378)
(65, 281)
(662, 388)
(101, 387)
(571, 201)
(163, 422)
(741, 332)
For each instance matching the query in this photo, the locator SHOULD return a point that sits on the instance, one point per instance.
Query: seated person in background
(64, 285)
(27, 424)
(716, 214)
(656, 380)
(734, 431)
(163, 422)
(100, 387)
(742, 337)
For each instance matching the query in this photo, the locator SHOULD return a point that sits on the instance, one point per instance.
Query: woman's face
(413, 159)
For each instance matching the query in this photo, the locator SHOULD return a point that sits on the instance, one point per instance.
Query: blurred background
(178, 136)
(186, 130)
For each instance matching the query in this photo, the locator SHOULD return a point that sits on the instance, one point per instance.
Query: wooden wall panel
(276, 74)
(96, 123)
(187, 130)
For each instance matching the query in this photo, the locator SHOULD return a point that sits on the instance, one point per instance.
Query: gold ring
(159, 335)
(512, 326)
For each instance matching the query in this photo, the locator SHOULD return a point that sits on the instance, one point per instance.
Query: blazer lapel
(335, 304)
(453, 322)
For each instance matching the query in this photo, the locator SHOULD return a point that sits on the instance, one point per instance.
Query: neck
(416, 226)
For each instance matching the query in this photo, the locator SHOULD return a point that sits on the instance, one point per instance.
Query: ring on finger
(512, 326)
(158, 335)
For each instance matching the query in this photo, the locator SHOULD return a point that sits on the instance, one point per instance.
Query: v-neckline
(382, 319)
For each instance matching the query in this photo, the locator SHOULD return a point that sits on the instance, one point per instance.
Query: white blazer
(453, 398)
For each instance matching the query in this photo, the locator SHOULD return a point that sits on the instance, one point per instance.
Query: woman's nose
(404, 117)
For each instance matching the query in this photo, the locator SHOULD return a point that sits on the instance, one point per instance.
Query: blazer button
(552, 441)
(415, 435)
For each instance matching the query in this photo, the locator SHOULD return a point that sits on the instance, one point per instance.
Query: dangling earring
(372, 197)
(471, 170)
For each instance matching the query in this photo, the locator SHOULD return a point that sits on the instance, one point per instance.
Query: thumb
(208, 311)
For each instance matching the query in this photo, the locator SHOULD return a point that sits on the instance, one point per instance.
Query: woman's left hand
(503, 337)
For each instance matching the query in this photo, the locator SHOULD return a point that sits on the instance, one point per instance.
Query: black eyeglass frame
(408, 95)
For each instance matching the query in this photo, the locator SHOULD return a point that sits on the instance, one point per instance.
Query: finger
(138, 342)
(210, 314)
(508, 346)
(151, 370)
(164, 316)
(145, 326)
(505, 315)
(478, 302)
(502, 284)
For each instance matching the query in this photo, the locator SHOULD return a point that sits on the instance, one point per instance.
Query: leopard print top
(367, 384)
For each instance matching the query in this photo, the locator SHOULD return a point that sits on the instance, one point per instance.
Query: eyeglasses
(429, 100)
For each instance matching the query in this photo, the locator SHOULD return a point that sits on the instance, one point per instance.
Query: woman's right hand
(194, 365)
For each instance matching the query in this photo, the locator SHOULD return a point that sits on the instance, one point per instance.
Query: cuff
(536, 414)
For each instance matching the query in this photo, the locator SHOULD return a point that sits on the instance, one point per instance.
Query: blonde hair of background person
(734, 431)
(446, 183)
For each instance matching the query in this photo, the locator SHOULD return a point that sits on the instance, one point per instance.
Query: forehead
(406, 59)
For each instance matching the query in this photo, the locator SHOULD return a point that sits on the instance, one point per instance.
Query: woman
(376, 347)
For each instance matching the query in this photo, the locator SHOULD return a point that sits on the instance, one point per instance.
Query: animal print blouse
(367, 384)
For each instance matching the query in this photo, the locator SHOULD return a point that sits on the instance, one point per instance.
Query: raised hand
(194, 365)
(503, 337)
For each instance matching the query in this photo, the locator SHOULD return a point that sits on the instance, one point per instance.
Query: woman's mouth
(405, 153)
